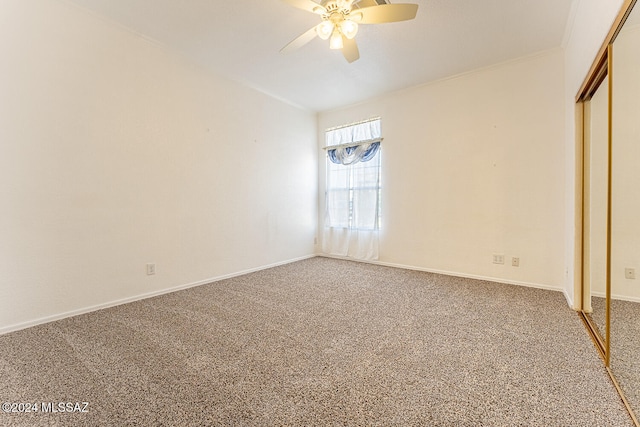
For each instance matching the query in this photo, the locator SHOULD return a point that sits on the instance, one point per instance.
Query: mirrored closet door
(609, 104)
(625, 213)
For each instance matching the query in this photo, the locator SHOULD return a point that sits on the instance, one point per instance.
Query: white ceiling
(241, 39)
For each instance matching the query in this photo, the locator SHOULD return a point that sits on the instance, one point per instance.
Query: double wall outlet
(499, 259)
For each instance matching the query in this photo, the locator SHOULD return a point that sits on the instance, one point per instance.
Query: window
(353, 190)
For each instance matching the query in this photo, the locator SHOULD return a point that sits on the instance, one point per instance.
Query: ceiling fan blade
(350, 49)
(307, 5)
(300, 41)
(364, 3)
(385, 13)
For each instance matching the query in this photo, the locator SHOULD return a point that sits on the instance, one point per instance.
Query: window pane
(338, 177)
(367, 174)
(365, 209)
(353, 191)
(338, 208)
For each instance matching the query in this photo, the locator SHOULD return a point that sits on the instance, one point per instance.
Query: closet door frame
(601, 68)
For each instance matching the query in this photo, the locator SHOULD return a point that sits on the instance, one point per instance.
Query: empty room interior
(306, 212)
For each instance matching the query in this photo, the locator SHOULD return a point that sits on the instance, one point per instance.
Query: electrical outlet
(515, 261)
(629, 273)
(151, 269)
(498, 259)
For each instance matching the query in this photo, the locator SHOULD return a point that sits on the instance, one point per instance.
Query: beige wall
(115, 153)
(472, 166)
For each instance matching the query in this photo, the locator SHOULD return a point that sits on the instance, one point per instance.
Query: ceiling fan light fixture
(325, 29)
(349, 28)
(336, 40)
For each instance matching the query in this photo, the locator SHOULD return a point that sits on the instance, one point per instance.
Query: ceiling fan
(340, 19)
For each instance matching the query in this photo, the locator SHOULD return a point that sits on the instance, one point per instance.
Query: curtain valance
(351, 144)
(353, 154)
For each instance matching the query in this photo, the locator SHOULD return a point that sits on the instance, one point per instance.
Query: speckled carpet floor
(320, 342)
(625, 344)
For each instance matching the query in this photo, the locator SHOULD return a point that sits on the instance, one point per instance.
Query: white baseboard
(52, 318)
(569, 300)
(456, 274)
(616, 297)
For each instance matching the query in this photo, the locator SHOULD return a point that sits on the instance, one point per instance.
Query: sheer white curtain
(352, 219)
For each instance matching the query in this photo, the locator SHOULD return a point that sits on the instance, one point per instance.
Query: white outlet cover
(630, 273)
